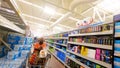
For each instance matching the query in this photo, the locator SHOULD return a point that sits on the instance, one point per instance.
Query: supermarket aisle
(54, 63)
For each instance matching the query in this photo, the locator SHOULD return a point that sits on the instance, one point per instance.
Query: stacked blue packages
(117, 24)
(117, 46)
(12, 55)
(116, 62)
(28, 41)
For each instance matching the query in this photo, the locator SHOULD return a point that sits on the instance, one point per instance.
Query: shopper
(40, 45)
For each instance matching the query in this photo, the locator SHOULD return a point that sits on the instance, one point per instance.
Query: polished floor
(54, 63)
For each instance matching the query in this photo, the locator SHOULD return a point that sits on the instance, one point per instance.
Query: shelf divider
(95, 33)
(109, 47)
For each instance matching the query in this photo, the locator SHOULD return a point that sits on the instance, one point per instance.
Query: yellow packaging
(84, 51)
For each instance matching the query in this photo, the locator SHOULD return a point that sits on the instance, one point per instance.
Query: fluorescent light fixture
(49, 10)
(110, 5)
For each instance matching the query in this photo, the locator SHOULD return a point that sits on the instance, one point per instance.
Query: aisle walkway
(54, 63)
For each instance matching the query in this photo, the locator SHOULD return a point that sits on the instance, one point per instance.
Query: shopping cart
(42, 62)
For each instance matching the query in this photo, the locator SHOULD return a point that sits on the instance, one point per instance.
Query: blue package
(116, 59)
(117, 49)
(117, 30)
(24, 53)
(18, 47)
(12, 55)
(26, 47)
(2, 51)
(117, 23)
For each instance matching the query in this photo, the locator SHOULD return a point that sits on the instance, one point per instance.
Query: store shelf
(117, 27)
(59, 59)
(52, 46)
(58, 38)
(61, 44)
(10, 25)
(93, 60)
(109, 47)
(49, 41)
(117, 54)
(60, 50)
(78, 62)
(117, 34)
(94, 33)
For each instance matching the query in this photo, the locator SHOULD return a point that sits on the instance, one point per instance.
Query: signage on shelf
(85, 22)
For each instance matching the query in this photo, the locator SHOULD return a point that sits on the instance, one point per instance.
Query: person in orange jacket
(40, 45)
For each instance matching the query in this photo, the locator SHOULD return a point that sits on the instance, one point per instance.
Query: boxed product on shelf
(24, 53)
(116, 46)
(13, 39)
(74, 49)
(117, 24)
(72, 64)
(26, 47)
(108, 56)
(65, 35)
(91, 53)
(117, 31)
(84, 51)
(116, 62)
(2, 51)
(116, 17)
(28, 40)
(12, 55)
(18, 47)
(98, 54)
(98, 66)
(61, 55)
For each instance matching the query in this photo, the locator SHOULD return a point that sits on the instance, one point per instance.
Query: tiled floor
(54, 63)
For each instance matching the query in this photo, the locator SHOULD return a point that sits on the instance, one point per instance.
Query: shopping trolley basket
(42, 62)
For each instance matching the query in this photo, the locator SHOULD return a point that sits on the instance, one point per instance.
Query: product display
(103, 40)
(60, 34)
(17, 57)
(97, 54)
(116, 62)
(99, 28)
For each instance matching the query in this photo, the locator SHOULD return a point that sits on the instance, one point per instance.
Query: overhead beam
(61, 19)
(44, 20)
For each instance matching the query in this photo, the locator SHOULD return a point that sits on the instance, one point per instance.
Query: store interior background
(46, 17)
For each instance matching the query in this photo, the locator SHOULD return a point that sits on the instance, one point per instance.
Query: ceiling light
(49, 10)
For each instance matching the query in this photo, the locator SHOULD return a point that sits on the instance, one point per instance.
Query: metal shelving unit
(116, 36)
(78, 62)
(60, 44)
(58, 38)
(60, 50)
(9, 25)
(55, 43)
(95, 33)
(109, 47)
(93, 60)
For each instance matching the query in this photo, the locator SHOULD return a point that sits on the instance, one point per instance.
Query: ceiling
(33, 12)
